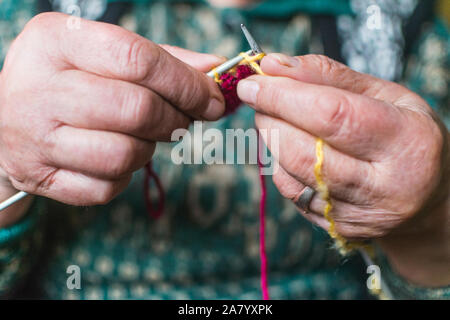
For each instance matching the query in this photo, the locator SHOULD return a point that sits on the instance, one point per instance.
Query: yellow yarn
(252, 61)
(249, 60)
(380, 294)
(342, 244)
(322, 188)
(216, 76)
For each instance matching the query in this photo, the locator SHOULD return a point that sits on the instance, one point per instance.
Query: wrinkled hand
(80, 110)
(384, 155)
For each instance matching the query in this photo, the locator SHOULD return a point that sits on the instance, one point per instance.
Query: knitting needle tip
(256, 49)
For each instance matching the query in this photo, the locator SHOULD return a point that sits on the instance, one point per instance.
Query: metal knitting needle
(251, 41)
(227, 65)
(255, 49)
(10, 201)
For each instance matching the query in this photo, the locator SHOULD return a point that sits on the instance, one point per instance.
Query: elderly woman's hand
(385, 159)
(81, 109)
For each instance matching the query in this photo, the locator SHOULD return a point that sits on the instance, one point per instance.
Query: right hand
(81, 110)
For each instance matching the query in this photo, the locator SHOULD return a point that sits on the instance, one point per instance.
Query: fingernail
(214, 110)
(247, 91)
(285, 60)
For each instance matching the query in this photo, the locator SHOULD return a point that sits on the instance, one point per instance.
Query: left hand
(384, 155)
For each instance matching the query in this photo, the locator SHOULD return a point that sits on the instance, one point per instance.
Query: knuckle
(14, 173)
(337, 116)
(194, 97)
(351, 184)
(121, 159)
(285, 188)
(137, 58)
(39, 20)
(49, 140)
(301, 163)
(109, 190)
(47, 181)
(136, 109)
(42, 23)
(40, 27)
(271, 95)
(33, 28)
(106, 193)
(42, 179)
(325, 64)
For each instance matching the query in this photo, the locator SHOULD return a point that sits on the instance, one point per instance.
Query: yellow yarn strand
(342, 244)
(322, 188)
(248, 60)
(216, 76)
(253, 61)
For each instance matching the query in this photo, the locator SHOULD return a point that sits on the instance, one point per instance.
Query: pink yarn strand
(262, 231)
(149, 175)
(228, 87)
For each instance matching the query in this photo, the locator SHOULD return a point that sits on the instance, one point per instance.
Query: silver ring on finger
(305, 198)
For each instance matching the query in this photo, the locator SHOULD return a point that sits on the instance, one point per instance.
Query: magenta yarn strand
(149, 175)
(262, 231)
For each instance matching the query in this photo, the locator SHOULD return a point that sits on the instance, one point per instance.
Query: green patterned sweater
(205, 246)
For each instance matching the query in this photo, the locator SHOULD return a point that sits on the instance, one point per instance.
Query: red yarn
(228, 86)
(262, 231)
(149, 175)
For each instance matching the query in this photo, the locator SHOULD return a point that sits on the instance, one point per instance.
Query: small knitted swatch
(228, 85)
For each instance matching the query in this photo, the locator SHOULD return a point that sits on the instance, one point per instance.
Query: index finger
(114, 52)
(319, 69)
(355, 124)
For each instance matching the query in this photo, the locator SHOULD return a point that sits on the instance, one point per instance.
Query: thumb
(321, 70)
(200, 61)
